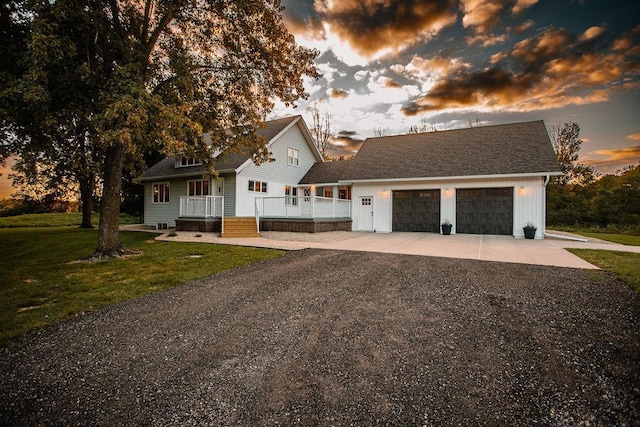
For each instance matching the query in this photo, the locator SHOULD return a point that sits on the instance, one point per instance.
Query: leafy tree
(566, 143)
(155, 74)
(47, 104)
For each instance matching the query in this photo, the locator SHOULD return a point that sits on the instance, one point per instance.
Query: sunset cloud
(634, 137)
(338, 93)
(552, 69)
(372, 28)
(610, 161)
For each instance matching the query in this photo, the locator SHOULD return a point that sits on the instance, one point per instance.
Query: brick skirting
(199, 224)
(305, 225)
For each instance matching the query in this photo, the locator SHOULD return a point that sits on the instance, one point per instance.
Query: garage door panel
(416, 210)
(484, 211)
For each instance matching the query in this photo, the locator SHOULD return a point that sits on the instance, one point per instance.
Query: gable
(512, 149)
(296, 138)
(231, 161)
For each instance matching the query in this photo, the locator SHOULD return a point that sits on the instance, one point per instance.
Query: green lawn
(624, 239)
(42, 282)
(625, 265)
(55, 220)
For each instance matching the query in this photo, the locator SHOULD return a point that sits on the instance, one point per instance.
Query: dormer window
(187, 161)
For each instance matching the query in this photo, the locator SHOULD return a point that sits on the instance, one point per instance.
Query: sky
(444, 64)
(390, 65)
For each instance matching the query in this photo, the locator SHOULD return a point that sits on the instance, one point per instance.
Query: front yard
(43, 282)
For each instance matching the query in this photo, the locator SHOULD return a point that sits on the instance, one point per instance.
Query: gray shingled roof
(325, 173)
(231, 161)
(519, 148)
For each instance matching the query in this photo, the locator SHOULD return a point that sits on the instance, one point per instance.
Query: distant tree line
(581, 198)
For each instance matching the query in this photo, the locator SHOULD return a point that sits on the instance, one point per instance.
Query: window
(328, 192)
(293, 156)
(344, 192)
(161, 192)
(187, 161)
(291, 194)
(258, 186)
(198, 187)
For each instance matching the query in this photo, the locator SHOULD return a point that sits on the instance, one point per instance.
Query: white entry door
(365, 213)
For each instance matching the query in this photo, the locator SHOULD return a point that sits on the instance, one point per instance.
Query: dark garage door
(484, 211)
(416, 210)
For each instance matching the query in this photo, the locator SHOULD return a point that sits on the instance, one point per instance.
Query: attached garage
(416, 210)
(484, 211)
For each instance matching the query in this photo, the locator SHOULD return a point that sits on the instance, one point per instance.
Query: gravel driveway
(320, 337)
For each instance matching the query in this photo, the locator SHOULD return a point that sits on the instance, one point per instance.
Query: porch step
(240, 227)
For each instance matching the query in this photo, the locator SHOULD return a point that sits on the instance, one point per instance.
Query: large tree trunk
(86, 197)
(108, 234)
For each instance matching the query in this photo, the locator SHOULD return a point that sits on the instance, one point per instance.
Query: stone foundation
(305, 225)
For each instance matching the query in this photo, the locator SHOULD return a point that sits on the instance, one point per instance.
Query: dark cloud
(371, 26)
(300, 18)
(345, 144)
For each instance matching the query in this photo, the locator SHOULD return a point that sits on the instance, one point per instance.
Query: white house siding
(276, 174)
(528, 200)
(163, 212)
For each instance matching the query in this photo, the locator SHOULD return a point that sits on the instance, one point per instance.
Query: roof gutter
(188, 175)
(450, 178)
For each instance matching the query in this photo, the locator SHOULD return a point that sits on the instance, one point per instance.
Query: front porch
(305, 214)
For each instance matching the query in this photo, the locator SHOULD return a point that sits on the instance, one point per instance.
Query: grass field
(55, 220)
(625, 265)
(623, 239)
(43, 283)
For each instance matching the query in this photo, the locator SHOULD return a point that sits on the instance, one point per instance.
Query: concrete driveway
(550, 252)
(466, 246)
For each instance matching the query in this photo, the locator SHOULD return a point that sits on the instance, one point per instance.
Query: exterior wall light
(385, 193)
(447, 192)
(523, 190)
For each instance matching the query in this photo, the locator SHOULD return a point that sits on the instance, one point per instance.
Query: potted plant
(529, 231)
(446, 227)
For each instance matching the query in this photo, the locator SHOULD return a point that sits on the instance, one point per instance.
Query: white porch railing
(201, 206)
(302, 207)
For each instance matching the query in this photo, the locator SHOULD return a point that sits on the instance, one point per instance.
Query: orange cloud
(480, 15)
(592, 33)
(521, 5)
(373, 26)
(338, 93)
(635, 137)
(550, 70)
(486, 40)
(615, 159)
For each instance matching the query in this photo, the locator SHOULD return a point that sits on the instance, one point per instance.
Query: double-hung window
(293, 156)
(257, 186)
(160, 192)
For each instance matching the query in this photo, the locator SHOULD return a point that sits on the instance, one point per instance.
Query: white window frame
(260, 185)
(196, 181)
(293, 156)
(155, 190)
(291, 195)
(184, 162)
